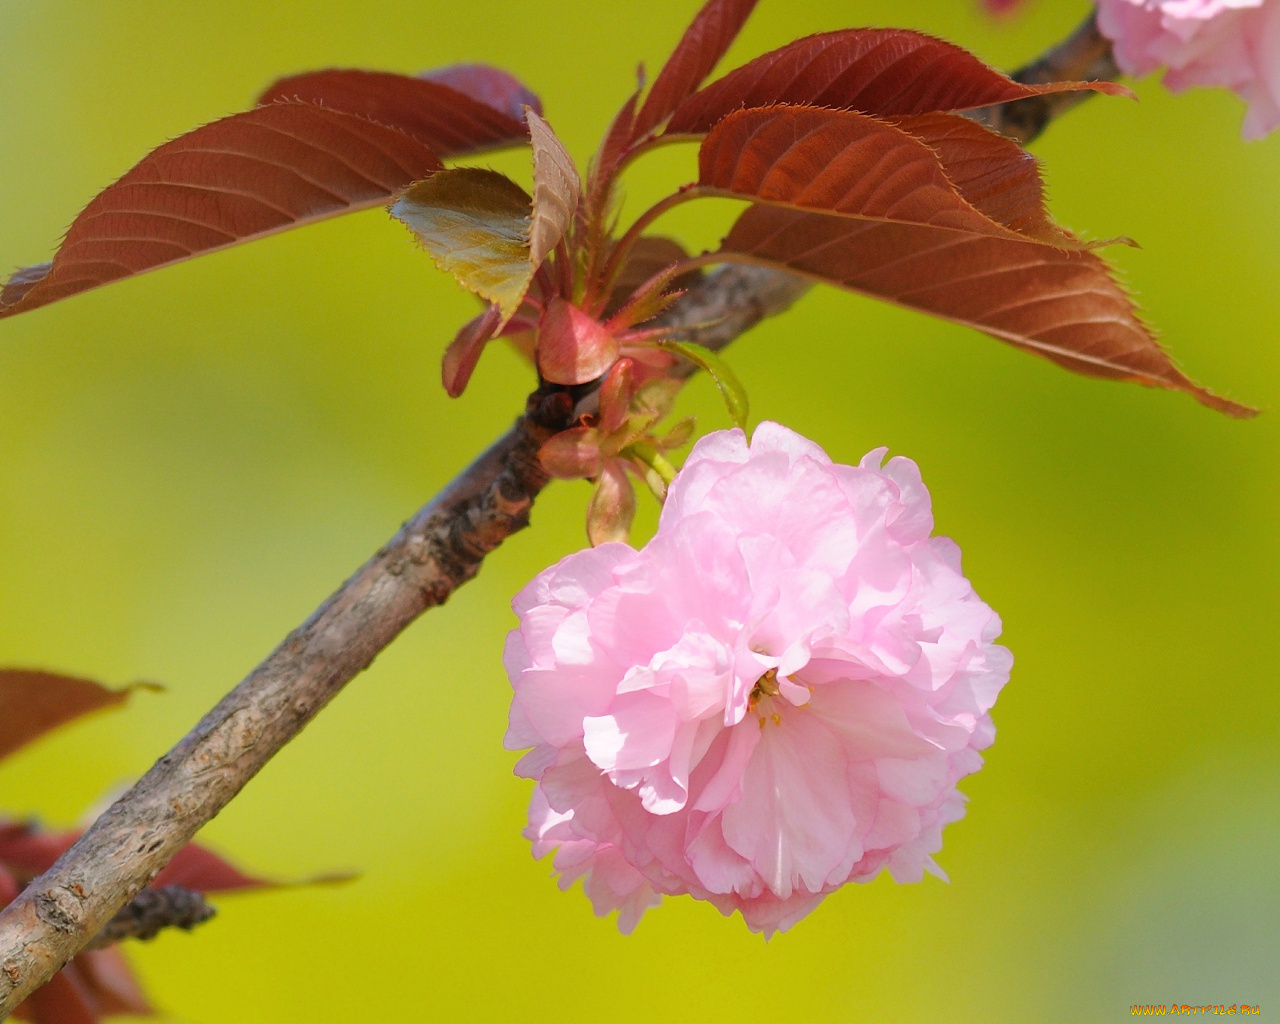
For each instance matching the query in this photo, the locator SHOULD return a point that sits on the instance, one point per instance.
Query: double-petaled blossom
(1230, 43)
(775, 696)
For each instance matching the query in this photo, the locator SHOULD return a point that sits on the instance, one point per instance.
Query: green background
(190, 461)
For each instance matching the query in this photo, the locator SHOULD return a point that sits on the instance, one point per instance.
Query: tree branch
(1084, 56)
(152, 911)
(435, 552)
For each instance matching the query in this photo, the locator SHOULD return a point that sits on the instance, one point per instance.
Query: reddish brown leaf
(491, 86)
(695, 56)
(887, 72)
(861, 204)
(616, 140)
(32, 703)
(94, 985)
(197, 867)
(26, 850)
(993, 173)
(244, 177)
(556, 189)
(434, 110)
(64, 999)
(463, 353)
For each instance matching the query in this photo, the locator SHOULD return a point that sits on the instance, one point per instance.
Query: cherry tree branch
(152, 911)
(1084, 56)
(434, 553)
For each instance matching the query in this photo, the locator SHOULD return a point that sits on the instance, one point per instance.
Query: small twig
(1084, 56)
(152, 911)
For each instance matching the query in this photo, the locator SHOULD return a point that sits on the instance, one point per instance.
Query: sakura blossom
(1234, 44)
(775, 696)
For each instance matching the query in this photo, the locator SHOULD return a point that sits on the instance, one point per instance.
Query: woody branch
(433, 554)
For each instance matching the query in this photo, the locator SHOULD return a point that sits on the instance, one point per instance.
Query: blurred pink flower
(1229, 43)
(775, 696)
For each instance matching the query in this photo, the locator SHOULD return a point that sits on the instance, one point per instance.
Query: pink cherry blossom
(773, 697)
(1229, 43)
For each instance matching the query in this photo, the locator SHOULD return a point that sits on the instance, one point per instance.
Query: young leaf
(731, 389)
(862, 204)
(649, 255)
(556, 189)
(244, 177)
(33, 703)
(491, 86)
(573, 453)
(463, 353)
(475, 224)
(434, 110)
(887, 72)
(695, 56)
(613, 506)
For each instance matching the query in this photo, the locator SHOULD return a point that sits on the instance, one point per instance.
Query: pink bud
(616, 393)
(573, 347)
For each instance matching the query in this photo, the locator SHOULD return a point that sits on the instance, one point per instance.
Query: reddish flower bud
(573, 347)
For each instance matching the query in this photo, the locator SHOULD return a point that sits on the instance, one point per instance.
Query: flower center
(766, 686)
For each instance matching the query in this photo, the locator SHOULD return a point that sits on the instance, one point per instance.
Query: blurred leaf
(556, 189)
(891, 224)
(33, 703)
(475, 224)
(731, 389)
(244, 177)
(491, 86)
(882, 71)
(700, 48)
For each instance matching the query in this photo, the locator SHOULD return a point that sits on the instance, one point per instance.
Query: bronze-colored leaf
(475, 224)
(893, 72)
(556, 189)
(993, 173)
(858, 202)
(695, 56)
(244, 177)
(439, 109)
(33, 703)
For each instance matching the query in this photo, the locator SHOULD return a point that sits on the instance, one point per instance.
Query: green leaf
(475, 224)
(731, 389)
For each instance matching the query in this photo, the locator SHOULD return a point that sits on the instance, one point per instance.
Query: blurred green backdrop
(191, 461)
